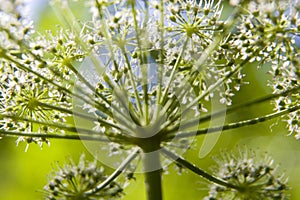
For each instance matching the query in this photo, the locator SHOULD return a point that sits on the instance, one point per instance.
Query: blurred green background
(24, 174)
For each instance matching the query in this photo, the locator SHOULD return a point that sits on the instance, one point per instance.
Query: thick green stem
(152, 172)
(152, 167)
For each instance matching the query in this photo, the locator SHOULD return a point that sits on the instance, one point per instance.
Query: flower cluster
(255, 178)
(74, 181)
(267, 35)
(12, 23)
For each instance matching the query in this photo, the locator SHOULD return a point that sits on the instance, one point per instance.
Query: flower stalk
(115, 174)
(152, 172)
(183, 162)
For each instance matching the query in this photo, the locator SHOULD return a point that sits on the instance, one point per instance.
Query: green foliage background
(23, 174)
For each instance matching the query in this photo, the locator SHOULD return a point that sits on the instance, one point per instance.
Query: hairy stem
(65, 127)
(196, 170)
(116, 173)
(132, 81)
(250, 103)
(51, 136)
(87, 117)
(152, 173)
(143, 57)
(205, 118)
(238, 124)
(175, 68)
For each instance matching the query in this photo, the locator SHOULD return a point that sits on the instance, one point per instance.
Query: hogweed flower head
(73, 180)
(255, 177)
